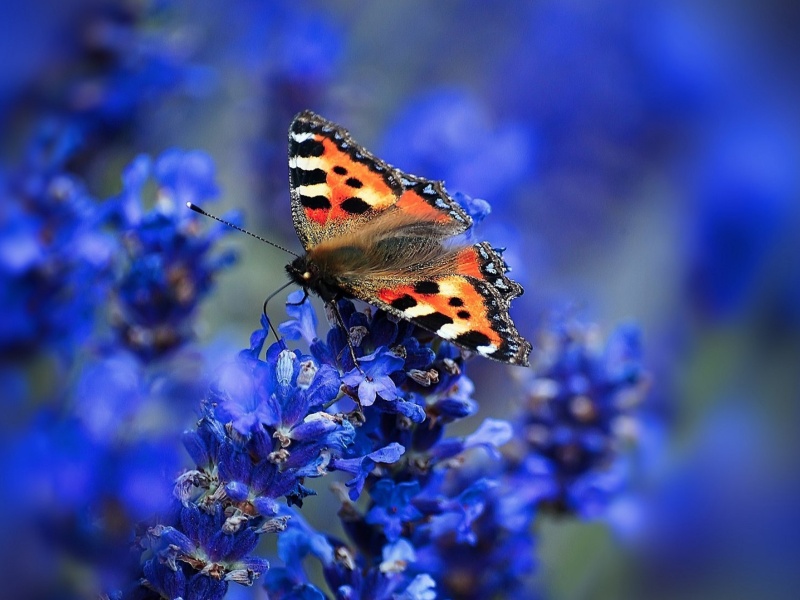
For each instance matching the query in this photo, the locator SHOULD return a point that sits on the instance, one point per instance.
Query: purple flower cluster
(444, 516)
(262, 433)
(101, 67)
(84, 450)
(55, 259)
(579, 414)
(400, 402)
(169, 267)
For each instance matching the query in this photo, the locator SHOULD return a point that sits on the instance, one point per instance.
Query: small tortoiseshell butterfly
(375, 233)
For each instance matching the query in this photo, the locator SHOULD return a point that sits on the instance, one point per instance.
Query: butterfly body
(390, 239)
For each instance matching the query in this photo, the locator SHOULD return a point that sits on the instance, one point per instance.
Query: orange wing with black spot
(468, 306)
(336, 186)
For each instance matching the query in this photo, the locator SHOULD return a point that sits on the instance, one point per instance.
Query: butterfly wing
(337, 186)
(464, 299)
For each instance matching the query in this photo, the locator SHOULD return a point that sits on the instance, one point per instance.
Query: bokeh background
(641, 160)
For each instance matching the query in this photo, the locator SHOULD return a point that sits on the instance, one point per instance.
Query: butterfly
(375, 233)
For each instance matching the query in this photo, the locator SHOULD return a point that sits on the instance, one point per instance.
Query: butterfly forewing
(338, 186)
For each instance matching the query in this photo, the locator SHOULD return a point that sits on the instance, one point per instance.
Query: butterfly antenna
(199, 210)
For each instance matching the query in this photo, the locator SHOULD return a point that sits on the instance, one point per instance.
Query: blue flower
(454, 402)
(247, 466)
(420, 588)
(291, 581)
(363, 466)
(216, 548)
(397, 555)
(303, 322)
(476, 539)
(375, 379)
(284, 392)
(367, 334)
(457, 514)
(392, 506)
(475, 207)
(449, 135)
(490, 435)
(186, 176)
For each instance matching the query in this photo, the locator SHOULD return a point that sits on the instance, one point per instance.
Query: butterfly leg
(264, 308)
(340, 321)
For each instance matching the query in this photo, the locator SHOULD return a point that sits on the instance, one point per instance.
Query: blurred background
(641, 161)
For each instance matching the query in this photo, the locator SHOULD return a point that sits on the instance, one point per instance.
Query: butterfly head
(306, 273)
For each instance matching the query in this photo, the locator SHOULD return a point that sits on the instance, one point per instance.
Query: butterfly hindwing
(337, 186)
(467, 305)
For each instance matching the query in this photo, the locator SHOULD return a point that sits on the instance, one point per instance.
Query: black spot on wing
(463, 314)
(403, 302)
(309, 176)
(433, 321)
(355, 206)
(315, 202)
(339, 170)
(426, 287)
(354, 183)
(454, 301)
(472, 339)
(306, 148)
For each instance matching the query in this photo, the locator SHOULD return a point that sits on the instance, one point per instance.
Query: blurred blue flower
(475, 207)
(743, 196)
(186, 176)
(171, 264)
(703, 525)
(685, 69)
(97, 451)
(55, 258)
(447, 134)
(290, 581)
(97, 72)
(494, 553)
(293, 56)
(580, 414)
